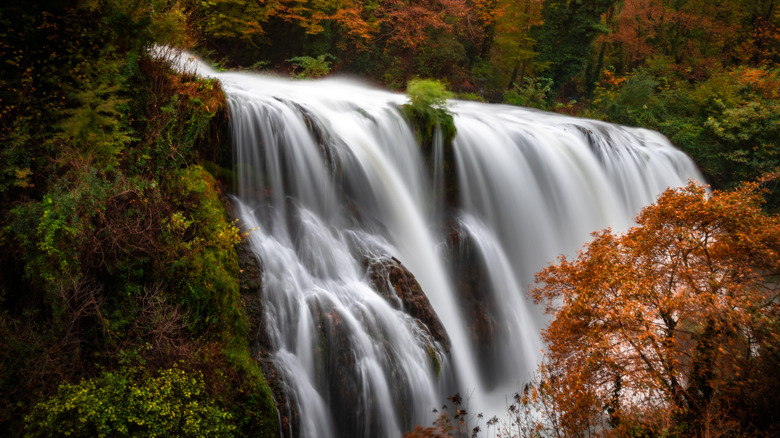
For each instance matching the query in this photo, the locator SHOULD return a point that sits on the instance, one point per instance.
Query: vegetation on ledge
(428, 112)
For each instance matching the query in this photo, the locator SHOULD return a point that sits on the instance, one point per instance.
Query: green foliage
(225, 19)
(186, 121)
(54, 231)
(564, 38)
(443, 56)
(94, 124)
(201, 261)
(428, 94)
(729, 124)
(306, 67)
(129, 402)
(428, 110)
(512, 55)
(636, 103)
(474, 97)
(54, 237)
(534, 93)
(168, 26)
(749, 135)
(253, 405)
(112, 235)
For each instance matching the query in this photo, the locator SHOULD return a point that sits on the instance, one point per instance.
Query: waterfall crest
(349, 224)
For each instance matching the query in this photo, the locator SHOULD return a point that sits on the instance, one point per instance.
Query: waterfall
(379, 299)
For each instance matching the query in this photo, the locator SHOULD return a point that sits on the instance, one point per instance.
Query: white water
(330, 178)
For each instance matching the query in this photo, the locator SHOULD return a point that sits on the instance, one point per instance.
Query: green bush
(748, 134)
(428, 110)
(534, 93)
(729, 124)
(131, 403)
(306, 67)
(636, 103)
(425, 94)
(200, 257)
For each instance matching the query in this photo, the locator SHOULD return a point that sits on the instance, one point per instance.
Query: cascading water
(350, 226)
(533, 185)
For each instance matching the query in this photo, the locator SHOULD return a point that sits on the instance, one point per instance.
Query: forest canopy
(704, 74)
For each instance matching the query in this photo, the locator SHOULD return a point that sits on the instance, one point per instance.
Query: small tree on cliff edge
(672, 327)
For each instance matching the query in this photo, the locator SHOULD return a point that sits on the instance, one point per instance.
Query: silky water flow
(342, 207)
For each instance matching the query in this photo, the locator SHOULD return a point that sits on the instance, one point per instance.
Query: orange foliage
(408, 23)
(665, 320)
(487, 12)
(610, 80)
(690, 33)
(312, 16)
(356, 27)
(758, 80)
(441, 429)
(761, 45)
(426, 432)
(637, 23)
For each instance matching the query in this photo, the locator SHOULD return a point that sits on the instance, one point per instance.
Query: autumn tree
(245, 31)
(388, 39)
(512, 52)
(424, 38)
(694, 36)
(671, 327)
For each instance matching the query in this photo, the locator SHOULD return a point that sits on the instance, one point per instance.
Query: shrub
(533, 93)
(306, 67)
(635, 102)
(130, 403)
(428, 110)
(199, 255)
(427, 93)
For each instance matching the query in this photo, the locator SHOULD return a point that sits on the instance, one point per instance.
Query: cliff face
(117, 257)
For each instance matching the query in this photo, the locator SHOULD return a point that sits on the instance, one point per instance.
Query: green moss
(253, 405)
(434, 357)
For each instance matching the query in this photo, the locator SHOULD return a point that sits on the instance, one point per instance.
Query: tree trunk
(512, 78)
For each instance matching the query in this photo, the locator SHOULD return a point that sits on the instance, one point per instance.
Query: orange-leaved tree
(671, 327)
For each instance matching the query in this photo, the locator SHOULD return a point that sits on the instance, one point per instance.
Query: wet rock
(250, 286)
(399, 287)
(472, 287)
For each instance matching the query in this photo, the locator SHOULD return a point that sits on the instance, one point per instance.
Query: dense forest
(127, 301)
